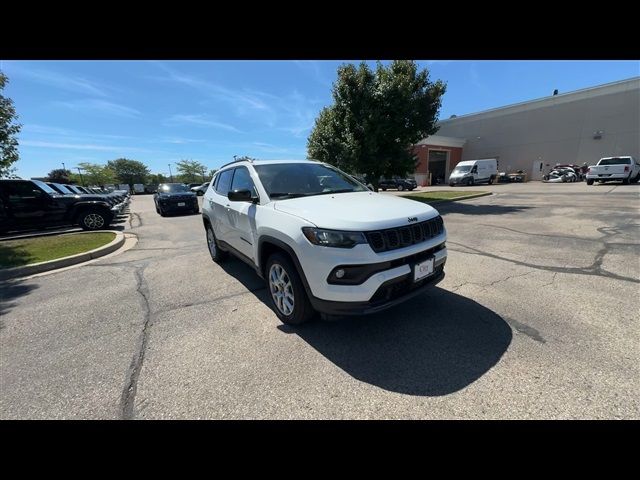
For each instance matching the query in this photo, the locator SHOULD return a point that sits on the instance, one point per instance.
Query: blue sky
(162, 112)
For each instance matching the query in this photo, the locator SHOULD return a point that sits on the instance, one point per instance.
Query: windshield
(45, 187)
(305, 179)
(173, 188)
(462, 169)
(615, 161)
(62, 188)
(73, 189)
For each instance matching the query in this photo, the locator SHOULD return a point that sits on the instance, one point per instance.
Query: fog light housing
(339, 273)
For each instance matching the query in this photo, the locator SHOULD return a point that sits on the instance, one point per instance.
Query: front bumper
(174, 207)
(390, 294)
(399, 264)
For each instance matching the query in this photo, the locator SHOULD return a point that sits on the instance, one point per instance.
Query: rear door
(219, 204)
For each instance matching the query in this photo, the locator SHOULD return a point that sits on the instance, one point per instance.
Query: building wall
(557, 130)
(422, 153)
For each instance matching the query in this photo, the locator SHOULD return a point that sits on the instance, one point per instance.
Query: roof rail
(246, 159)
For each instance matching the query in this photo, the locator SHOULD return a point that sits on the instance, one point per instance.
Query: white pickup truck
(614, 168)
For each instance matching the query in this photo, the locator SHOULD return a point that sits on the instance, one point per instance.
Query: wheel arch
(268, 245)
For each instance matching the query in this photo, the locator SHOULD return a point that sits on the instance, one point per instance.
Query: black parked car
(398, 183)
(175, 197)
(28, 204)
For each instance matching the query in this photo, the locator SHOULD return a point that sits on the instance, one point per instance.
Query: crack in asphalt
(127, 400)
(486, 285)
(594, 269)
(138, 220)
(204, 302)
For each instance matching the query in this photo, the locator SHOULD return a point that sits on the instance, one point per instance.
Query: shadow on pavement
(435, 344)
(10, 291)
(475, 209)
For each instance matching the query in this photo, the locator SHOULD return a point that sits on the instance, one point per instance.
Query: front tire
(93, 219)
(288, 297)
(589, 181)
(470, 182)
(400, 188)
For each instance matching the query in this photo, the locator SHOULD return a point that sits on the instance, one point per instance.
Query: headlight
(333, 238)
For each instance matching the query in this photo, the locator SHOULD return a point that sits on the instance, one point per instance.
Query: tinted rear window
(615, 161)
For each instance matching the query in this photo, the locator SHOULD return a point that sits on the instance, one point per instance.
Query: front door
(242, 223)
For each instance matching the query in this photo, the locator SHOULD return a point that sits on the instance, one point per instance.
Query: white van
(471, 172)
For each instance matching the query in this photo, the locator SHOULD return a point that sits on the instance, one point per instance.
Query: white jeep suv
(322, 241)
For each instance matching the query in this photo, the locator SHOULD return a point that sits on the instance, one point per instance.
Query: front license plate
(423, 269)
(181, 204)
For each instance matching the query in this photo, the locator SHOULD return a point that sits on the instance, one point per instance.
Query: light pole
(170, 174)
(81, 179)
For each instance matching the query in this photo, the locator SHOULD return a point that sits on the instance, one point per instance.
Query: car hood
(357, 211)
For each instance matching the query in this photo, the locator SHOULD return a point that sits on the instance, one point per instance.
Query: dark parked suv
(398, 183)
(28, 204)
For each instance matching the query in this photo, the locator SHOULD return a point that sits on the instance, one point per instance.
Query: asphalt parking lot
(537, 318)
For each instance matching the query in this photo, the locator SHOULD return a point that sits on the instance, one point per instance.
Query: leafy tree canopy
(375, 118)
(9, 130)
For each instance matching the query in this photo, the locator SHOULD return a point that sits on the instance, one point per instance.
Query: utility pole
(81, 179)
(170, 174)
(63, 167)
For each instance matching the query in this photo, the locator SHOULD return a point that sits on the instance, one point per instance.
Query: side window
(21, 190)
(242, 181)
(224, 182)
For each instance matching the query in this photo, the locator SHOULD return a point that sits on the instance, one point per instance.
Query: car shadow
(476, 209)
(10, 291)
(432, 345)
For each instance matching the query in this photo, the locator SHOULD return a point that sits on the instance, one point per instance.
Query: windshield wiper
(341, 190)
(288, 195)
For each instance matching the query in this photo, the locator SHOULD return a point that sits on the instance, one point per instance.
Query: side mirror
(36, 192)
(243, 195)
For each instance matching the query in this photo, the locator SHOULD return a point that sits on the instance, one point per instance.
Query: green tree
(212, 172)
(95, 174)
(191, 171)
(9, 130)
(129, 171)
(157, 178)
(375, 118)
(59, 175)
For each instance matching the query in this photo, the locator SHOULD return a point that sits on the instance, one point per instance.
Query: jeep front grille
(392, 238)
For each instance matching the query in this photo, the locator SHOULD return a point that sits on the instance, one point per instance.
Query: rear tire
(93, 219)
(217, 255)
(384, 189)
(589, 181)
(400, 188)
(286, 291)
(625, 181)
(490, 180)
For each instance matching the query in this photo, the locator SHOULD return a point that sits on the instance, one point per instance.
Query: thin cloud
(82, 146)
(313, 67)
(100, 106)
(201, 120)
(238, 98)
(64, 132)
(54, 79)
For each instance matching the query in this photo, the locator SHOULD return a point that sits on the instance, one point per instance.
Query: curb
(41, 267)
(466, 197)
